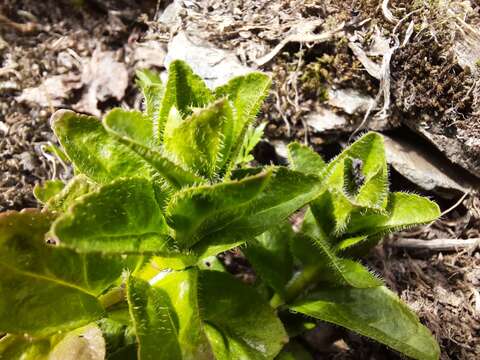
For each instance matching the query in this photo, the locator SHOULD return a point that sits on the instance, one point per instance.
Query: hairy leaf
(403, 211)
(79, 186)
(252, 136)
(376, 313)
(228, 213)
(330, 268)
(232, 312)
(373, 194)
(184, 91)
(42, 289)
(120, 217)
(197, 141)
(168, 310)
(369, 152)
(47, 190)
(193, 212)
(165, 168)
(285, 192)
(246, 93)
(19, 347)
(183, 289)
(270, 256)
(130, 124)
(93, 151)
(152, 89)
(315, 252)
(304, 159)
(155, 320)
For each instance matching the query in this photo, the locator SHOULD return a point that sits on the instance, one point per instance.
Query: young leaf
(403, 211)
(246, 93)
(270, 256)
(332, 211)
(197, 141)
(47, 190)
(232, 312)
(252, 136)
(120, 217)
(174, 120)
(184, 90)
(155, 320)
(369, 152)
(78, 186)
(354, 181)
(352, 241)
(130, 124)
(304, 159)
(93, 151)
(42, 289)
(176, 176)
(317, 254)
(373, 194)
(152, 89)
(376, 313)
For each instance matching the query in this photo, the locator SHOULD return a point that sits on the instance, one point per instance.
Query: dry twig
(26, 28)
(300, 37)
(437, 244)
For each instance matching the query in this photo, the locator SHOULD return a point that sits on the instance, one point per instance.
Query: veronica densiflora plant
(120, 262)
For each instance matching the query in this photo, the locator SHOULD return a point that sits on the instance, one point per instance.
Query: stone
(427, 169)
(215, 66)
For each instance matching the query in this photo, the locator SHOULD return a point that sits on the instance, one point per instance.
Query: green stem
(296, 286)
(112, 297)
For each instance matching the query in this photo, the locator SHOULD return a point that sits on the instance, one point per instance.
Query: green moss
(316, 77)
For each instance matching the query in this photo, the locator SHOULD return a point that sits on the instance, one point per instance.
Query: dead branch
(26, 28)
(437, 244)
(300, 38)
(387, 14)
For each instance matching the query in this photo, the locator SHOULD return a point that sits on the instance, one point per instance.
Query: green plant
(120, 262)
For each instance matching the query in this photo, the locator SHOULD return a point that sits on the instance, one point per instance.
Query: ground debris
(52, 92)
(104, 77)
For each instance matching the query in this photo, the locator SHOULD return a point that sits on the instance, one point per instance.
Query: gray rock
(215, 66)
(325, 120)
(427, 169)
(461, 150)
(349, 100)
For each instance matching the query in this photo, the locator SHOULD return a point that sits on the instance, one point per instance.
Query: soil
(430, 91)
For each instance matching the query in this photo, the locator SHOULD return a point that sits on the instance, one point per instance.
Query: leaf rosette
(121, 260)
